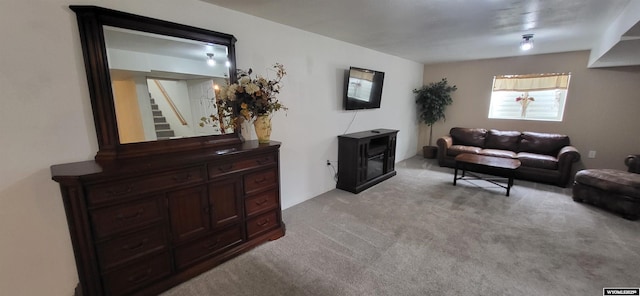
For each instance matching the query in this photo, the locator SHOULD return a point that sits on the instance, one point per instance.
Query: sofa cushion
(615, 181)
(459, 149)
(468, 136)
(503, 140)
(538, 160)
(498, 153)
(543, 143)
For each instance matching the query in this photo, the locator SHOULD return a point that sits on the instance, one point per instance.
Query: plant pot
(429, 151)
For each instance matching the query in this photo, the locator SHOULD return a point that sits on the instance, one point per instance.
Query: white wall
(44, 91)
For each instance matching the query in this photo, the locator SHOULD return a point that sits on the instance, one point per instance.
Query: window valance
(531, 82)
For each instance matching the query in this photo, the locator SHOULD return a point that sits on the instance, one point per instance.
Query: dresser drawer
(192, 252)
(261, 202)
(126, 248)
(219, 169)
(260, 180)
(125, 217)
(137, 275)
(262, 223)
(103, 193)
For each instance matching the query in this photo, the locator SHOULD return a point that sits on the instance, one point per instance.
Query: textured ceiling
(432, 31)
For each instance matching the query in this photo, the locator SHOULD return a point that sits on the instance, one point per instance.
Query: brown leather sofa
(545, 157)
(615, 190)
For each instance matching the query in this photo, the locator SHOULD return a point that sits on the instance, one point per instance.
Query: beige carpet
(416, 234)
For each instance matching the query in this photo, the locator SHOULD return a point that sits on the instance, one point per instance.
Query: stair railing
(171, 104)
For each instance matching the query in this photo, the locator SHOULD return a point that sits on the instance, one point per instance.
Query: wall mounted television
(363, 89)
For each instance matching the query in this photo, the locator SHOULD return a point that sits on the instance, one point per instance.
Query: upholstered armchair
(614, 190)
(633, 162)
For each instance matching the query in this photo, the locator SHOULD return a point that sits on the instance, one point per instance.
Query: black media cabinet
(366, 159)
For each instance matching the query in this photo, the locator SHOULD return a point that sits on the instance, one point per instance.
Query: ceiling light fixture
(211, 61)
(527, 42)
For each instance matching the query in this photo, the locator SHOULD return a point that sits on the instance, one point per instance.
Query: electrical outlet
(592, 154)
(328, 162)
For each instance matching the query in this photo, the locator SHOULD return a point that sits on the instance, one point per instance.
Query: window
(529, 97)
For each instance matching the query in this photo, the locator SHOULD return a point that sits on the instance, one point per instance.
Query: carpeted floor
(416, 234)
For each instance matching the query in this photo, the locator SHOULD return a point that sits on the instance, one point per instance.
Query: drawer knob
(261, 180)
(225, 168)
(263, 222)
(114, 192)
(184, 178)
(122, 217)
(263, 161)
(262, 201)
(136, 246)
(140, 277)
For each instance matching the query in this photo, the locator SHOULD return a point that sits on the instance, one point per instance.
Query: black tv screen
(363, 89)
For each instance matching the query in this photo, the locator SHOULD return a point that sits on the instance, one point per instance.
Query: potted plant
(432, 100)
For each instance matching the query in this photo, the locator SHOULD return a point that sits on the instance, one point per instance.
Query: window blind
(529, 97)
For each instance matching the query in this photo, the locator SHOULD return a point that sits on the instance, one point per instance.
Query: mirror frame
(91, 20)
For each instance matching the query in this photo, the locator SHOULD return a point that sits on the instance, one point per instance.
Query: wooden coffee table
(498, 166)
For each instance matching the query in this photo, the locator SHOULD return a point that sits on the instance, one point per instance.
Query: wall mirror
(151, 82)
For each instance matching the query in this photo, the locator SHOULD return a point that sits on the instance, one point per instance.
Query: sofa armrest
(443, 143)
(633, 162)
(568, 154)
(566, 157)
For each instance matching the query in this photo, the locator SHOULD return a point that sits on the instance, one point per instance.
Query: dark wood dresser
(153, 211)
(140, 226)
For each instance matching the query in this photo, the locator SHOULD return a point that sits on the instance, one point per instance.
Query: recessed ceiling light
(210, 60)
(527, 42)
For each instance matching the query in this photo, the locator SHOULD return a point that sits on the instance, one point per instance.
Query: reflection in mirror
(163, 85)
(360, 84)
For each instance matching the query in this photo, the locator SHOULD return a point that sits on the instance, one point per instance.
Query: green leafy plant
(432, 100)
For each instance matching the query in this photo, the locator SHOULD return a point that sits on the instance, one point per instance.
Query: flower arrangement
(255, 96)
(524, 100)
